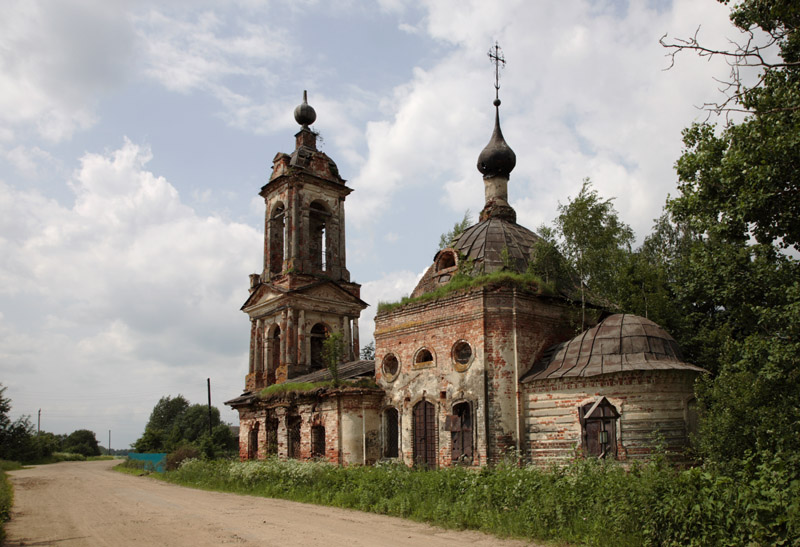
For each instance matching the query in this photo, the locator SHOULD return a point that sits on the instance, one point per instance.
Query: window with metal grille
(460, 426)
(318, 441)
(293, 426)
(272, 437)
(425, 434)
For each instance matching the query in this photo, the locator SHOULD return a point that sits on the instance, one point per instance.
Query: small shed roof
(619, 343)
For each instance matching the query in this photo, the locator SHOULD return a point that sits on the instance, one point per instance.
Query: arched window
(317, 441)
(446, 259)
(318, 235)
(599, 428)
(277, 238)
(252, 442)
(460, 426)
(318, 334)
(391, 431)
(424, 434)
(423, 358)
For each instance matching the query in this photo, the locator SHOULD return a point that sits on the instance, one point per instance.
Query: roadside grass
(588, 502)
(6, 494)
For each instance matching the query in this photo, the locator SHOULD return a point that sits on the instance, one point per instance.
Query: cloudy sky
(135, 135)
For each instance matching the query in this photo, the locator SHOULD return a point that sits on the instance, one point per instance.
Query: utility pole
(39, 422)
(109, 442)
(209, 405)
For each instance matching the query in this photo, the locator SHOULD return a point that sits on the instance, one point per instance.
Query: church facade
(490, 371)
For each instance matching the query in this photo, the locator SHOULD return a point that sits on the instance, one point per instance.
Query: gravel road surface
(86, 503)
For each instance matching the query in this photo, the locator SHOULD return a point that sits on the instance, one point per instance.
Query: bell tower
(304, 291)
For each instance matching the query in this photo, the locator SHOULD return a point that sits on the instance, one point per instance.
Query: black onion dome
(497, 158)
(619, 343)
(305, 114)
(484, 243)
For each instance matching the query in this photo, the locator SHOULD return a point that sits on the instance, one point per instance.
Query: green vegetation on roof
(462, 282)
(298, 388)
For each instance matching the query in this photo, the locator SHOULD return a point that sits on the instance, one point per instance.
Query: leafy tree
(81, 441)
(368, 351)
(158, 431)
(175, 424)
(16, 438)
(448, 238)
(739, 194)
(594, 241)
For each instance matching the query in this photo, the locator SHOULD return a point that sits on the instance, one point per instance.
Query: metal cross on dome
(496, 57)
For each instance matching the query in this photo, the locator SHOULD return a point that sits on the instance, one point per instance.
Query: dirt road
(85, 503)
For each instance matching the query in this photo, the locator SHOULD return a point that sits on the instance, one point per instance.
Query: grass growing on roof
(462, 282)
(306, 387)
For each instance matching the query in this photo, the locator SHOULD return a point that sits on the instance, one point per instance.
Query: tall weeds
(589, 502)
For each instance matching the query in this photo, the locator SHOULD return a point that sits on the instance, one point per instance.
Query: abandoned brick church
(469, 377)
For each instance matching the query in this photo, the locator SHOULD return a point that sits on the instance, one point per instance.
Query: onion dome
(619, 343)
(497, 158)
(305, 114)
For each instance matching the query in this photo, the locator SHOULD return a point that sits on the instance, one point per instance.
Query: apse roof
(620, 343)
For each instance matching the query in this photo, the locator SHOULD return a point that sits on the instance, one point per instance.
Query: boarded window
(425, 434)
(599, 428)
(293, 426)
(460, 426)
(318, 441)
(391, 433)
(272, 437)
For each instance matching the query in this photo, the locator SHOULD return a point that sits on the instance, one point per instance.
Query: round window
(391, 367)
(462, 355)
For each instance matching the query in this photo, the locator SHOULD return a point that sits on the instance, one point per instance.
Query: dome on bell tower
(497, 158)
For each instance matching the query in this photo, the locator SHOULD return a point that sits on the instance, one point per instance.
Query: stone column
(348, 340)
(302, 356)
(251, 365)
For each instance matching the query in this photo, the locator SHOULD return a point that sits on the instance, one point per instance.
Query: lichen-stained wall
(506, 329)
(654, 408)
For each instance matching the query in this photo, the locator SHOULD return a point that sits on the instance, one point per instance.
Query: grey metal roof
(619, 343)
(484, 243)
(353, 369)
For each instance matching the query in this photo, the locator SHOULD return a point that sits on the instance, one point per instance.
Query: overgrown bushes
(6, 495)
(589, 502)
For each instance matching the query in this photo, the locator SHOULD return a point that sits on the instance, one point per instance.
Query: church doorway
(425, 434)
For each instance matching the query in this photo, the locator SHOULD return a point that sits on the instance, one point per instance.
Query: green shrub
(174, 459)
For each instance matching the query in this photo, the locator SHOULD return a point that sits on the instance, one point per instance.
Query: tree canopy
(175, 423)
(739, 281)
